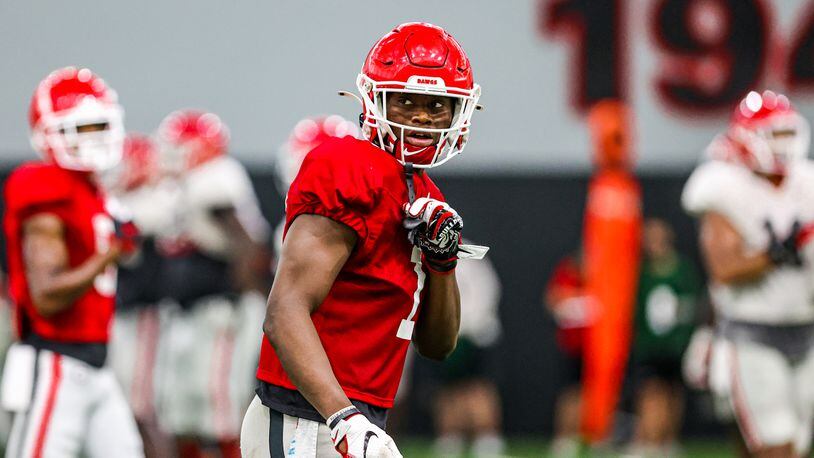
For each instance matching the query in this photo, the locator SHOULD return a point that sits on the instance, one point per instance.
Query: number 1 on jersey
(406, 327)
(103, 230)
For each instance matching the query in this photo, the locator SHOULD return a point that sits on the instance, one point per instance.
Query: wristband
(445, 267)
(348, 411)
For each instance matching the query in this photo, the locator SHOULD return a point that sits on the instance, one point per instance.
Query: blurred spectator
(669, 290)
(467, 403)
(573, 311)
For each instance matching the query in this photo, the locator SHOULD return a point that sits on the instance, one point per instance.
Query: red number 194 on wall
(710, 52)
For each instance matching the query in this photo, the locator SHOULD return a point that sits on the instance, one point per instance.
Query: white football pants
(75, 409)
(269, 434)
(771, 398)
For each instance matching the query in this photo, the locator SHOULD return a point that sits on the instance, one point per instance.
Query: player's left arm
(435, 228)
(251, 257)
(436, 332)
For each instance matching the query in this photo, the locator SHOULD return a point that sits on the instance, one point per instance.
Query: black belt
(92, 353)
(794, 341)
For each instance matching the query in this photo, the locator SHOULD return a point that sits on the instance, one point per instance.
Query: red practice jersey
(43, 188)
(566, 289)
(366, 320)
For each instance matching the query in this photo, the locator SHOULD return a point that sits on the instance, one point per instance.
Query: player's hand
(784, 252)
(435, 228)
(354, 436)
(127, 236)
(696, 360)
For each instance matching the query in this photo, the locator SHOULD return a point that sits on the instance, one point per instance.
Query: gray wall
(262, 65)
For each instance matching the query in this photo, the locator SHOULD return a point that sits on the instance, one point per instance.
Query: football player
(137, 185)
(62, 248)
(368, 261)
(213, 272)
(751, 198)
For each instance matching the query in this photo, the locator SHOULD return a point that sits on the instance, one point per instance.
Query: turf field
(521, 448)
(528, 448)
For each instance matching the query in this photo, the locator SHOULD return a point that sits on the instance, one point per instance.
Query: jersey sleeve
(334, 185)
(33, 189)
(709, 189)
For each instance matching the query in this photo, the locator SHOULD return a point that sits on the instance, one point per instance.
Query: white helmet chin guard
(91, 151)
(452, 140)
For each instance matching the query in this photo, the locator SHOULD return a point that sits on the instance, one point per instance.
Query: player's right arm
(713, 193)
(725, 255)
(313, 253)
(53, 285)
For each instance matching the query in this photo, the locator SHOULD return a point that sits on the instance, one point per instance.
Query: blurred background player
(573, 311)
(136, 183)
(306, 135)
(669, 290)
(62, 249)
(216, 270)
(467, 404)
(7, 336)
(751, 198)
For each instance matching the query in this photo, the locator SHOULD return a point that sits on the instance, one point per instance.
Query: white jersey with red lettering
(750, 202)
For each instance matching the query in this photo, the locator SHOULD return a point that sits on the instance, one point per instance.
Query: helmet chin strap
(408, 177)
(400, 148)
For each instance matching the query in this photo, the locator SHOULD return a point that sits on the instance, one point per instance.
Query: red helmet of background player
(767, 133)
(418, 58)
(140, 162)
(307, 135)
(65, 101)
(189, 138)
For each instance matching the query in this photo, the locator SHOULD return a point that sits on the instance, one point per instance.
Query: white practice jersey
(747, 201)
(220, 183)
(480, 298)
(153, 208)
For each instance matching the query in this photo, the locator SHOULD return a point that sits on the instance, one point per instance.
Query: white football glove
(695, 364)
(435, 228)
(361, 438)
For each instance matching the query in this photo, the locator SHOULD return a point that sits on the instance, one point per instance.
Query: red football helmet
(140, 163)
(307, 135)
(76, 121)
(418, 58)
(189, 138)
(767, 134)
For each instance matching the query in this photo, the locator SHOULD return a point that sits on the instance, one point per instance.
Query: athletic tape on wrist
(334, 419)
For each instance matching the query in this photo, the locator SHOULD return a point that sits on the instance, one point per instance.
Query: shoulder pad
(37, 184)
(223, 182)
(712, 186)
